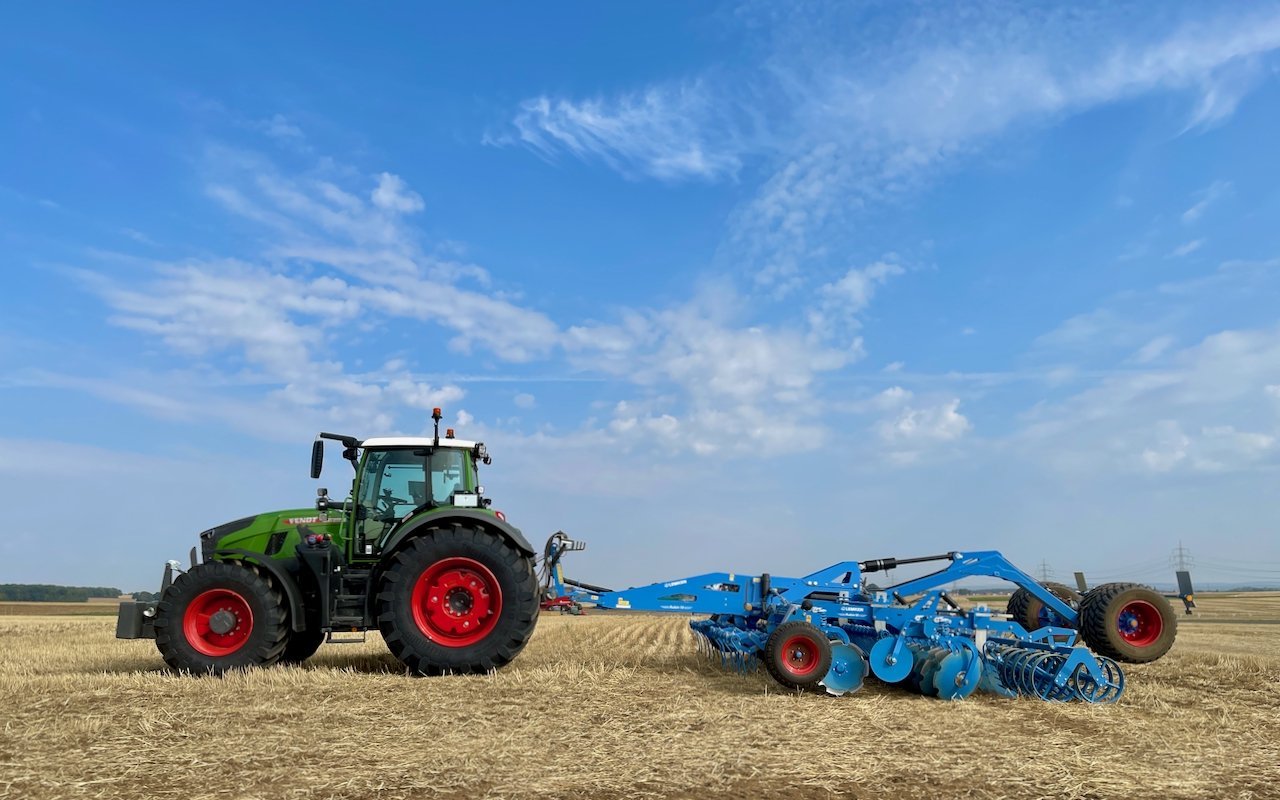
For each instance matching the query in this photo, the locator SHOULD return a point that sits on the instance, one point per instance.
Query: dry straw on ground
(618, 707)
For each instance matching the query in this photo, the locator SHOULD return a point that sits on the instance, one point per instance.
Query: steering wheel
(391, 502)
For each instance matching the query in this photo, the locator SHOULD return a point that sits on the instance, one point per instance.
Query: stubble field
(618, 706)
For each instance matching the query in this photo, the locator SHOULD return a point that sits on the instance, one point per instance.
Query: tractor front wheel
(457, 600)
(219, 616)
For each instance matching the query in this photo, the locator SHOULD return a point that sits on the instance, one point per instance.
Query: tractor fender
(286, 581)
(414, 524)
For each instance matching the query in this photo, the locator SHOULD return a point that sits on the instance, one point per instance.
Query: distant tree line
(43, 592)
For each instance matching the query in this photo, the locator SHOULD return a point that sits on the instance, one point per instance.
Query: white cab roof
(417, 441)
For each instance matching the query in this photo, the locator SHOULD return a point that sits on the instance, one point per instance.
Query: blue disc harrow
(829, 631)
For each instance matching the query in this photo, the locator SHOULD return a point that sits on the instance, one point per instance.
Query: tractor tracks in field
(639, 640)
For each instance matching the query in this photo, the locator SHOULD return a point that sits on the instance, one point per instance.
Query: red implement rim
(456, 602)
(1139, 623)
(799, 655)
(223, 635)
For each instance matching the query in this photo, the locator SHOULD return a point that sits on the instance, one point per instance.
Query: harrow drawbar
(829, 631)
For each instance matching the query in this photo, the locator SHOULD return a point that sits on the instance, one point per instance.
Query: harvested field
(619, 706)
(92, 608)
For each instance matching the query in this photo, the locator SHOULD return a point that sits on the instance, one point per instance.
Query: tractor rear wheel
(219, 616)
(797, 655)
(457, 600)
(1127, 622)
(1031, 613)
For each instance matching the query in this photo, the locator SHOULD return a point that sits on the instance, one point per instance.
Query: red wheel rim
(1139, 623)
(217, 622)
(456, 602)
(800, 655)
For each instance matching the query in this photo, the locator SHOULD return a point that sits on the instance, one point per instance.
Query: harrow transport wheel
(1127, 622)
(1031, 613)
(302, 645)
(457, 599)
(219, 616)
(797, 655)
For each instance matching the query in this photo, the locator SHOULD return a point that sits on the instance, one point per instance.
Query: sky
(722, 286)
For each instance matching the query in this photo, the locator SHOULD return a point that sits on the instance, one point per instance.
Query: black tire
(797, 655)
(1128, 622)
(201, 620)
(418, 633)
(1026, 608)
(302, 645)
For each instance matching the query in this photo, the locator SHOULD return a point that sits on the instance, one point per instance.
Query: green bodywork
(294, 523)
(259, 534)
(383, 494)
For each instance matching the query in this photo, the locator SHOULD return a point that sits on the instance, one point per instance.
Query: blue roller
(848, 670)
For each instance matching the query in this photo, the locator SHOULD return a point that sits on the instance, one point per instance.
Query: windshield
(396, 482)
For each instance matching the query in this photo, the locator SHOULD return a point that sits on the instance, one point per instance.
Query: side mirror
(317, 457)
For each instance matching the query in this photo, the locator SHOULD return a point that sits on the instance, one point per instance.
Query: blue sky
(721, 286)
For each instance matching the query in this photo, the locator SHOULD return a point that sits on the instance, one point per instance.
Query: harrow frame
(927, 642)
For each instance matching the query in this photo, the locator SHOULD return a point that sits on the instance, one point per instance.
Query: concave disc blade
(952, 681)
(848, 670)
(880, 666)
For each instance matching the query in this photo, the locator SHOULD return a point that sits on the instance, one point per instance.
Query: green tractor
(415, 552)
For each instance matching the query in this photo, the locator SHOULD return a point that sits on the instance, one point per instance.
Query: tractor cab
(399, 478)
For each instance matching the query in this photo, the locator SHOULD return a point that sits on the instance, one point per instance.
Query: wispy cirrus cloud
(863, 107)
(1210, 195)
(1186, 248)
(671, 133)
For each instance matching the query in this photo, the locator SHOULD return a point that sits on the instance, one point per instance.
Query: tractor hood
(273, 533)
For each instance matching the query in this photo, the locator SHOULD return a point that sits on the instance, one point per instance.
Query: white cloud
(668, 132)
(279, 127)
(895, 397)
(865, 107)
(1169, 448)
(525, 400)
(744, 386)
(1187, 248)
(706, 378)
(835, 314)
(139, 237)
(1213, 449)
(392, 194)
(1214, 192)
(339, 265)
(914, 426)
(1223, 448)
(1208, 401)
(854, 291)
(1153, 349)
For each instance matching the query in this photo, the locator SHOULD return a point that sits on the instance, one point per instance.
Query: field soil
(619, 706)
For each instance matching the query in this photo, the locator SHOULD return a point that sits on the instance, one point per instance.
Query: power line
(1043, 572)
